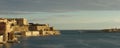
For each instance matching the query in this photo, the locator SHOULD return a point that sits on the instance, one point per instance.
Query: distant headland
(111, 30)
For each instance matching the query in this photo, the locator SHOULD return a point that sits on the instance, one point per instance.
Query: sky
(65, 14)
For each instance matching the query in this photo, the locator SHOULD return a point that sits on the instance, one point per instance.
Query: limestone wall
(20, 28)
(2, 27)
(1, 39)
(32, 33)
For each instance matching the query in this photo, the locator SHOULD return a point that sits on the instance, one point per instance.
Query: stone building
(44, 29)
(19, 21)
(38, 27)
(6, 29)
(10, 26)
(5, 25)
(19, 25)
(21, 28)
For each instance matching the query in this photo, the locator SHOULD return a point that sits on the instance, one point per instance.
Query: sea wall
(32, 33)
(43, 33)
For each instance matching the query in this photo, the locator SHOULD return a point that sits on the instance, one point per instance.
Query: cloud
(58, 5)
(20, 12)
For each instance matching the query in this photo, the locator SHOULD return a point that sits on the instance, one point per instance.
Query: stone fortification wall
(21, 28)
(10, 26)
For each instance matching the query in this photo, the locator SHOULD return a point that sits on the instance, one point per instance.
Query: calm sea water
(70, 39)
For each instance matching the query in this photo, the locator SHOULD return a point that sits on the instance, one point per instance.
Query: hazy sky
(65, 14)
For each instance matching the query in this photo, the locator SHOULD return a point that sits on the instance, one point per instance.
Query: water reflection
(6, 45)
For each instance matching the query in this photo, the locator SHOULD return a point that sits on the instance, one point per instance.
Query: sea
(70, 39)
